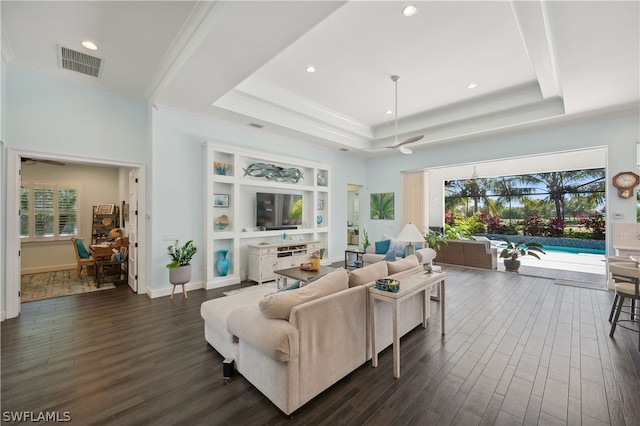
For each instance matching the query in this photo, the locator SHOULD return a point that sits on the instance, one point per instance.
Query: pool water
(572, 250)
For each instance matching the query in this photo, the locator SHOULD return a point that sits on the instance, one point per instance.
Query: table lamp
(411, 235)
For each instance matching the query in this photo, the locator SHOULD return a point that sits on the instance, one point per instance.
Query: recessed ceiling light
(90, 45)
(388, 112)
(472, 85)
(409, 10)
(311, 69)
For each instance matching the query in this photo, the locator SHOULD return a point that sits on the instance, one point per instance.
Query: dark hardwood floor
(518, 350)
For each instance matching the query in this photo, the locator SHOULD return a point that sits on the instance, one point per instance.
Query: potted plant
(434, 239)
(513, 251)
(315, 258)
(365, 239)
(180, 266)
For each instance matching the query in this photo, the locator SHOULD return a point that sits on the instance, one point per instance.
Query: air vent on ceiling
(256, 125)
(79, 62)
(344, 149)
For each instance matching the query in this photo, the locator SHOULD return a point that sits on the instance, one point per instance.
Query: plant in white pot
(180, 266)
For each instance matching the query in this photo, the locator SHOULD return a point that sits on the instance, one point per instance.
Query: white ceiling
(244, 62)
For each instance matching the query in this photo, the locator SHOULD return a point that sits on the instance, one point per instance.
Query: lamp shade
(410, 234)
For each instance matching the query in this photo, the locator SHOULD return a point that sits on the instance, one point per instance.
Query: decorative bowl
(387, 284)
(221, 168)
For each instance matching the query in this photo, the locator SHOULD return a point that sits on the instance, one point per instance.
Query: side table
(356, 263)
(419, 282)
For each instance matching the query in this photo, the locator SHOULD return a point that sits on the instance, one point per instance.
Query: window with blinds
(48, 211)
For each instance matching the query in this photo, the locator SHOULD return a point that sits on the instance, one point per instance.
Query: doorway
(15, 161)
(354, 224)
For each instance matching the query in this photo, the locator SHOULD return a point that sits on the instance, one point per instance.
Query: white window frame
(56, 212)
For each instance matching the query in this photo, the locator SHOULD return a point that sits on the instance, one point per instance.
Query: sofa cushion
(382, 246)
(278, 305)
(403, 264)
(368, 274)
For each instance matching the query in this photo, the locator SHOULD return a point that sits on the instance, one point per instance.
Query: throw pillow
(397, 248)
(82, 251)
(295, 284)
(390, 256)
(279, 305)
(368, 274)
(402, 264)
(382, 246)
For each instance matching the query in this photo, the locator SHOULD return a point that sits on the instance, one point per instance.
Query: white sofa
(325, 336)
(425, 255)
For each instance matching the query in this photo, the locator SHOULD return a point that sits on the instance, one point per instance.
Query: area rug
(48, 285)
(251, 288)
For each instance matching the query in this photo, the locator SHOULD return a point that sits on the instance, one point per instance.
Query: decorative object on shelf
(319, 219)
(322, 180)
(104, 209)
(220, 200)
(320, 204)
(382, 206)
(222, 222)
(388, 284)
(221, 168)
(106, 221)
(222, 264)
(273, 172)
(180, 266)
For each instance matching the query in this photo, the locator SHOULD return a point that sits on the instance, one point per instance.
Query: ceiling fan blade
(411, 140)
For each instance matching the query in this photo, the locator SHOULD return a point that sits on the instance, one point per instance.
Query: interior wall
(617, 136)
(178, 181)
(98, 185)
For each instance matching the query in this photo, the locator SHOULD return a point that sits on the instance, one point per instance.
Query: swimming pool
(573, 250)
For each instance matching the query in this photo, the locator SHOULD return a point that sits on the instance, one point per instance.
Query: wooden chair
(89, 262)
(627, 283)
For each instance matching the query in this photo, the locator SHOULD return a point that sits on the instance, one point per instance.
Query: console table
(265, 259)
(419, 282)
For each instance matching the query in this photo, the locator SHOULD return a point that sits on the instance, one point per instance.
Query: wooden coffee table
(295, 273)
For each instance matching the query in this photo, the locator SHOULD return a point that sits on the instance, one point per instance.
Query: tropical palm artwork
(381, 206)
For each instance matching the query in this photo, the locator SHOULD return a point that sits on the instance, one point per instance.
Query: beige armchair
(88, 262)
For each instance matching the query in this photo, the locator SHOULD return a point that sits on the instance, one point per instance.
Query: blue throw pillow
(397, 247)
(82, 251)
(382, 246)
(292, 286)
(390, 256)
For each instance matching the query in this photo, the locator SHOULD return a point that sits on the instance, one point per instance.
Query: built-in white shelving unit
(233, 194)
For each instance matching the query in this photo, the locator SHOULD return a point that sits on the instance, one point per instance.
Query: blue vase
(222, 265)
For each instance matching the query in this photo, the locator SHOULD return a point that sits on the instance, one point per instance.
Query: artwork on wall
(104, 209)
(220, 200)
(382, 206)
(273, 172)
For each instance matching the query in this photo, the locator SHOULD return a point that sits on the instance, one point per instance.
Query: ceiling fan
(32, 161)
(400, 146)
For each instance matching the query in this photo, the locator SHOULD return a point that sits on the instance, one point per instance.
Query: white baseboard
(166, 291)
(50, 268)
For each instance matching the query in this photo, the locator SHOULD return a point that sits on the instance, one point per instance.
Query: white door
(132, 229)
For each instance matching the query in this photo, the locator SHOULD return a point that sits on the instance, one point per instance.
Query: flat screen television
(278, 211)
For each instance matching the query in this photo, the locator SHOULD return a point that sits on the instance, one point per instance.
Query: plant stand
(180, 276)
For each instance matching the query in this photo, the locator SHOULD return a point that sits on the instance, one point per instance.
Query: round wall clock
(625, 182)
